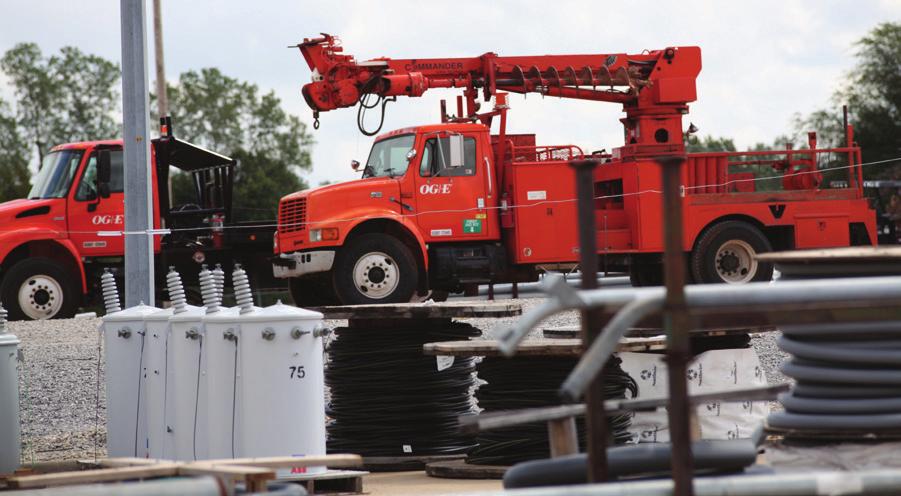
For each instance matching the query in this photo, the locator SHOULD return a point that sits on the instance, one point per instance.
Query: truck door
(452, 201)
(89, 214)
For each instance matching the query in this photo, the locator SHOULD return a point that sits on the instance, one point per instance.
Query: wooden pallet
(255, 473)
(330, 482)
(459, 469)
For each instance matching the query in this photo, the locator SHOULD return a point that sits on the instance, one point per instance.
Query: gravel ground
(59, 400)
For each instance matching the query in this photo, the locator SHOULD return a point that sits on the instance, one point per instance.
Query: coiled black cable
(388, 399)
(528, 382)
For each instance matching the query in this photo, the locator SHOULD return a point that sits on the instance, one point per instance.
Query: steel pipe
(561, 297)
(866, 483)
(747, 296)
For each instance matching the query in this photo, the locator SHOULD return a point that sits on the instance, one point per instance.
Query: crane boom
(655, 85)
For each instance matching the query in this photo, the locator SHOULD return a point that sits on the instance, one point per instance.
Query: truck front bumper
(298, 263)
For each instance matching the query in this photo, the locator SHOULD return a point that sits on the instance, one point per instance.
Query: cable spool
(529, 382)
(110, 292)
(848, 379)
(388, 399)
(848, 375)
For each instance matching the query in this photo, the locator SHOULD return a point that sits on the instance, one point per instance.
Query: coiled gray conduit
(849, 377)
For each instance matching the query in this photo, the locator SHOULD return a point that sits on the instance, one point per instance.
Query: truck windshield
(389, 157)
(56, 174)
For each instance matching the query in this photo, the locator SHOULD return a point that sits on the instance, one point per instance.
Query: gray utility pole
(138, 188)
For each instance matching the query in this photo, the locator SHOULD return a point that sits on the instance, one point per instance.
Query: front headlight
(325, 234)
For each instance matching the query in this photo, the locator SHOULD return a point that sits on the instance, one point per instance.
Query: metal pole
(162, 98)
(139, 283)
(676, 323)
(596, 418)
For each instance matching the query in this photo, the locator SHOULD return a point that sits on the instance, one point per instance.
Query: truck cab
(372, 240)
(56, 242)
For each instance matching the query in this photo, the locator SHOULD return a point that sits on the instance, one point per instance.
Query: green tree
(709, 143)
(71, 96)
(872, 91)
(36, 94)
(231, 117)
(14, 174)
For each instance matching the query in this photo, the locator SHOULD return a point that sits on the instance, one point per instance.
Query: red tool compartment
(544, 227)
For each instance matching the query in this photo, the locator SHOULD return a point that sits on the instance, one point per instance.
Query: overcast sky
(763, 61)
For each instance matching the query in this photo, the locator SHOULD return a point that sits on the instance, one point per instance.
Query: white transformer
(220, 349)
(10, 436)
(124, 340)
(154, 389)
(183, 385)
(281, 402)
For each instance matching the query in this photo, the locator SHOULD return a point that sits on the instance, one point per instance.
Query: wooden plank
(459, 469)
(497, 420)
(92, 476)
(337, 460)
(402, 463)
(488, 347)
(121, 462)
(563, 436)
(444, 310)
(537, 347)
(231, 472)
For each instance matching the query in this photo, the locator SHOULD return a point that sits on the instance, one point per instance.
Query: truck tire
(375, 268)
(40, 288)
(725, 253)
(315, 290)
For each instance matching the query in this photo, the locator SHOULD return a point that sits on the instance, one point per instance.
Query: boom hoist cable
(365, 95)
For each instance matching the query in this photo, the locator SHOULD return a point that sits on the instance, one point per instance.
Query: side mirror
(355, 165)
(411, 154)
(456, 151)
(104, 173)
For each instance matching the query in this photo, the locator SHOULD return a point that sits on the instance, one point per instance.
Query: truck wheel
(725, 253)
(39, 288)
(314, 290)
(375, 268)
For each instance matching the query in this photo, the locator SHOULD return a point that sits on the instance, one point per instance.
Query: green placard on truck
(472, 226)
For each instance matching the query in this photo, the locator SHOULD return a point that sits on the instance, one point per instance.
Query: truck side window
(435, 164)
(87, 188)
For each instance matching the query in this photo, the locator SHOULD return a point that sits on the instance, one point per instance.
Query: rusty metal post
(596, 417)
(676, 323)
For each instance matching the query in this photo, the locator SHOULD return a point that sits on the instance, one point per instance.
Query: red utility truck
(442, 207)
(55, 243)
